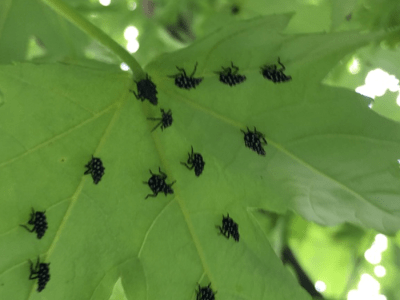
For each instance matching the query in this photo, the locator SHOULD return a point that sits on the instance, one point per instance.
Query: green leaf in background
(329, 158)
(24, 22)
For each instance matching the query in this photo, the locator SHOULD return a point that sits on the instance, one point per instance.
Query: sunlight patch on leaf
(118, 292)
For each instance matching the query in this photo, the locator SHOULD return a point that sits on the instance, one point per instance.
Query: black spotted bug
(252, 140)
(229, 228)
(186, 82)
(95, 168)
(227, 76)
(41, 272)
(157, 184)
(205, 293)
(271, 72)
(146, 90)
(195, 161)
(39, 222)
(165, 120)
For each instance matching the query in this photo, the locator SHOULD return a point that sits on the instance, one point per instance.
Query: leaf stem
(75, 18)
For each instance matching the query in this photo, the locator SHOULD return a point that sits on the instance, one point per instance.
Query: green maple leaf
(328, 158)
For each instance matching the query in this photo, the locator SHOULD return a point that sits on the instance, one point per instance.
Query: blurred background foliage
(342, 262)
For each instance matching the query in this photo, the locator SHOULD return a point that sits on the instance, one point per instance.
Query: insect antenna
(279, 62)
(194, 71)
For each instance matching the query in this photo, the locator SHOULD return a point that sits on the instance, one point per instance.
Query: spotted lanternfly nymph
(95, 168)
(252, 140)
(183, 81)
(229, 228)
(146, 90)
(229, 77)
(272, 73)
(195, 161)
(39, 222)
(205, 293)
(165, 120)
(157, 184)
(40, 272)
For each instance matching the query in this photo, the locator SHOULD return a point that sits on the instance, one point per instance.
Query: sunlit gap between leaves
(368, 287)
(130, 34)
(131, 4)
(377, 82)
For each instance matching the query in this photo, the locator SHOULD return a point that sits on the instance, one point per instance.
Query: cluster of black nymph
(147, 89)
(41, 271)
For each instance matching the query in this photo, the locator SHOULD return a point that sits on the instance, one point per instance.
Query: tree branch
(304, 280)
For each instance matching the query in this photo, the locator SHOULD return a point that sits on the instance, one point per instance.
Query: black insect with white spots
(41, 272)
(165, 120)
(255, 141)
(195, 161)
(271, 72)
(186, 82)
(146, 90)
(39, 222)
(229, 228)
(95, 168)
(157, 184)
(227, 76)
(205, 293)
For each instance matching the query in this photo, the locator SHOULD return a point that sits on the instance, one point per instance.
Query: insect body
(252, 140)
(229, 77)
(205, 293)
(39, 222)
(196, 161)
(165, 120)
(95, 168)
(41, 272)
(183, 81)
(157, 184)
(272, 73)
(146, 90)
(229, 228)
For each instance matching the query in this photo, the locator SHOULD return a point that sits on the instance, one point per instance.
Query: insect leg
(150, 195)
(155, 127)
(137, 97)
(190, 168)
(30, 230)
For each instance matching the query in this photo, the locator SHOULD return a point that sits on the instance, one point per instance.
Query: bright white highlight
(377, 83)
(133, 46)
(124, 67)
(369, 283)
(380, 243)
(131, 33)
(367, 289)
(372, 256)
(320, 286)
(355, 66)
(380, 271)
(105, 2)
(132, 5)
